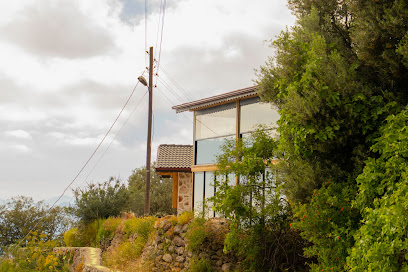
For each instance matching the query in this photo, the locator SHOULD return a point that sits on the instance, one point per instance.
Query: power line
(186, 115)
(171, 90)
(175, 83)
(117, 134)
(83, 167)
(161, 38)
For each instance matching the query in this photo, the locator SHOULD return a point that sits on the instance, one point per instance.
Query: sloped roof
(217, 99)
(171, 157)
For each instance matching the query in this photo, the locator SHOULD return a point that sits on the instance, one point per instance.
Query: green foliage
(381, 241)
(185, 217)
(20, 215)
(101, 200)
(160, 193)
(259, 214)
(329, 222)
(36, 256)
(336, 77)
(141, 226)
(107, 230)
(71, 238)
(200, 265)
(196, 234)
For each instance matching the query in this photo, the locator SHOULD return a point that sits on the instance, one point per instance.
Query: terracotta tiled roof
(174, 157)
(217, 99)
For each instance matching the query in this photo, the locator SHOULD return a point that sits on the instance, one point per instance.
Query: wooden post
(149, 136)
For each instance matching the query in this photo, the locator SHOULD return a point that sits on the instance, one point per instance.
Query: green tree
(260, 217)
(101, 200)
(336, 76)
(160, 192)
(382, 240)
(21, 215)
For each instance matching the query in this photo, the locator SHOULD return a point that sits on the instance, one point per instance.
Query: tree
(336, 77)
(160, 192)
(101, 200)
(21, 215)
(260, 216)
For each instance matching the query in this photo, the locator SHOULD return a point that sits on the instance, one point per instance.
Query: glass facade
(216, 121)
(254, 113)
(215, 125)
(208, 149)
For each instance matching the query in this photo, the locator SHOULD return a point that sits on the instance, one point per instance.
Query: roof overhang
(217, 99)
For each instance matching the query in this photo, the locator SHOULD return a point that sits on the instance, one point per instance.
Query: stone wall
(169, 250)
(185, 185)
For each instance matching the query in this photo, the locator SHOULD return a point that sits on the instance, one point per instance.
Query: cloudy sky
(68, 66)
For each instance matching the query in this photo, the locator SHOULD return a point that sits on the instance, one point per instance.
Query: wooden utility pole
(149, 136)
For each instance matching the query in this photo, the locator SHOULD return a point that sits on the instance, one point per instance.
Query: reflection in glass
(215, 121)
(209, 192)
(207, 150)
(253, 113)
(198, 191)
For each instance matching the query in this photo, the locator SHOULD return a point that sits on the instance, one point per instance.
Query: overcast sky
(68, 66)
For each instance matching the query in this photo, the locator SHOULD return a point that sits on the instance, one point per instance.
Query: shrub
(185, 217)
(142, 226)
(107, 230)
(200, 265)
(71, 238)
(36, 256)
(196, 234)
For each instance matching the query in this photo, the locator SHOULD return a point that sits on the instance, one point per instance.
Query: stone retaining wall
(169, 250)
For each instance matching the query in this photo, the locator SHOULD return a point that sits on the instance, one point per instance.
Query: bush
(200, 265)
(107, 230)
(71, 238)
(36, 256)
(196, 234)
(185, 217)
(142, 226)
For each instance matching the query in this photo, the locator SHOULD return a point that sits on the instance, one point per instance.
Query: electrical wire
(83, 167)
(174, 82)
(171, 90)
(161, 38)
(120, 130)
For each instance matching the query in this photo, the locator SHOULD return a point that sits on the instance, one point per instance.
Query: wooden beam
(204, 167)
(175, 190)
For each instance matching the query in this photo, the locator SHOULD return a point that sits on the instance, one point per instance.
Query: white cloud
(68, 66)
(21, 148)
(21, 134)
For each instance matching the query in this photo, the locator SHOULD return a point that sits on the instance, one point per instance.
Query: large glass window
(253, 113)
(209, 191)
(198, 191)
(208, 149)
(215, 121)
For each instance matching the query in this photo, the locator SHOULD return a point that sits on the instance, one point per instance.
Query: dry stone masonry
(168, 250)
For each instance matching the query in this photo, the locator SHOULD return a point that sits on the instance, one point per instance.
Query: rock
(177, 229)
(170, 249)
(185, 228)
(178, 241)
(226, 267)
(203, 255)
(167, 258)
(180, 259)
(180, 250)
(219, 263)
(165, 225)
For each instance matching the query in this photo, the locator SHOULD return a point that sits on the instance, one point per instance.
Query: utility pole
(149, 136)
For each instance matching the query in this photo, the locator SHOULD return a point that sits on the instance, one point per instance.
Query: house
(232, 115)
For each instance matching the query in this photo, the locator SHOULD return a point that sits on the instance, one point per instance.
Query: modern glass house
(232, 115)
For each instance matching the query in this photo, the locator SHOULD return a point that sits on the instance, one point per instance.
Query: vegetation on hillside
(339, 80)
